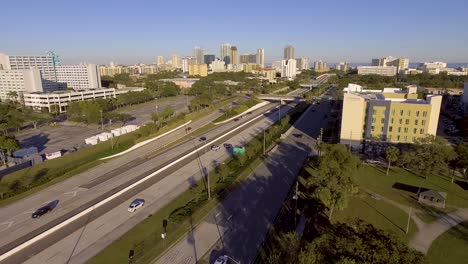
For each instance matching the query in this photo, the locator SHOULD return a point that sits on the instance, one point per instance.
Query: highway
(238, 226)
(79, 193)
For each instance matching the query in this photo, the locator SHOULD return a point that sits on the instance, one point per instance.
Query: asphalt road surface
(81, 191)
(238, 226)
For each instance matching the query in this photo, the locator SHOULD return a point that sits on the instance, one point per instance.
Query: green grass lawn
(377, 212)
(374, 178)
(451, 247)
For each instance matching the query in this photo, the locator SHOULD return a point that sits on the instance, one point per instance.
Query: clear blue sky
(136, 31)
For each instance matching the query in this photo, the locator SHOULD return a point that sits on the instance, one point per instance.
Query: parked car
(137, 203)
(221, 260)
(215, 147)
(45, 209)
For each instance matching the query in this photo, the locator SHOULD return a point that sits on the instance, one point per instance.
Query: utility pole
(208, 181)
(264, 141)
(319, 142)
(296, 197)
(102, 121)
(279, 111)
(409, 218)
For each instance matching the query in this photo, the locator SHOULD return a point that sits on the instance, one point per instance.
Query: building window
(415, 130)
(423, 122)
(389, 137)
(381, 129)
(373, 111)
(398, 138)
(399, 121)
(417, 113)
(401, 112)
(393, 112)
(424, 114)
(391, 120)
(421, 131)
(372, 128)
(415, 122)
(406, 130)
(405, 138)
(407, 121)
(412, 139)
(382, 120)
(399, 129)
(373, 120)
(390, 129)
(408, 112)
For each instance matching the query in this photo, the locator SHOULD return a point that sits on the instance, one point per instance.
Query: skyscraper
(198, 54)
(175, 61)
(303, 63)
(234, 56)
(288, 68)
(209, 58)
(160, 60)
(289, 52)
(320, 66)
(260, 57)
(225, 52)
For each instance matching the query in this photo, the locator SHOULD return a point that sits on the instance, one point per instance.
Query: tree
(222, 171)
(8, 143)
(359, 242)
(155, 117)
(12, 95)
(167, 112)
(430, 155)
(328, 179)
(462, 158)
(391, 154)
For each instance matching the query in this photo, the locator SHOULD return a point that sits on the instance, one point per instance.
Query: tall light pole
(102, 121)
(264, 141)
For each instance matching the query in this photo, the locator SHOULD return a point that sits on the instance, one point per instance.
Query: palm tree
(391, 153)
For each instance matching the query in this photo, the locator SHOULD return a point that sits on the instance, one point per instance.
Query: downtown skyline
(354, 32)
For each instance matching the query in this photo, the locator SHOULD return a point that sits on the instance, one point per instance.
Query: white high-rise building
(199, 55)
(217, 66)
(185, 64)
(160, 60)
(175, 61)
(288, 68)
(19, 82)
(225, 53)
(260, 59)
(79, 77)
(45, 64)
(320, 66)
(400, 63)
(303, 63)
(342, 66)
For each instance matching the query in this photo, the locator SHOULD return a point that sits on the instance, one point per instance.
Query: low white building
(61, 98)
(378, 70)
(218, 66)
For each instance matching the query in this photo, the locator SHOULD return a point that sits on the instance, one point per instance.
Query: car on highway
(215, 147)
(236, 119)
(202, 139)
(249, 113)
(243, 116)
(227, 145)
(45, 209)
(221, 260)
(137, 203)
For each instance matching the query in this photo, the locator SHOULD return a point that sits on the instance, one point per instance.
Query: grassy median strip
(190, 208)
(25, 182)
(242, 107)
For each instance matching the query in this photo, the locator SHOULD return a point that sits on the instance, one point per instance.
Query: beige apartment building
(198, 70)
(389, 115)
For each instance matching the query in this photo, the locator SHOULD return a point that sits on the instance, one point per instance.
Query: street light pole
(235, 261)
(102, 121)
(264, 141)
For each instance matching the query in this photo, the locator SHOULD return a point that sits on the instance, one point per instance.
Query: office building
(19, 82)
(186, 62)
(250, 67)
(160, 60)
(199, 56)
(152, 69)
(79, 77)
(320, 66)
(378, 70)
(400, 63)
(288, 52)
(342, 66)
(260, 57)
(198, 70)
(234, 55)
(288, 68)
(45, 64)
(225, 53)
(389, 115)
(208, 58)
(269, 74)
(176, 61)
(112, 70)
(244, 58)
(61, 99)
(303, 63)
(218, 66)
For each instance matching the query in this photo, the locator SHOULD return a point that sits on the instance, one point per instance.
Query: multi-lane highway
(83, 191)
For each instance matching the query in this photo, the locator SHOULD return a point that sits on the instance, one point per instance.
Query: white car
(221, 260)
(137, 203)
(215, 147)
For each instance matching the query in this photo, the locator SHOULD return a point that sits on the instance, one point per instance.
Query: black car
(45, 209)
(202, 139)
(227, 145)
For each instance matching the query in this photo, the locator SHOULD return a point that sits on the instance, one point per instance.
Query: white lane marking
(74, 193)
(108, 199)
(7, 225)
